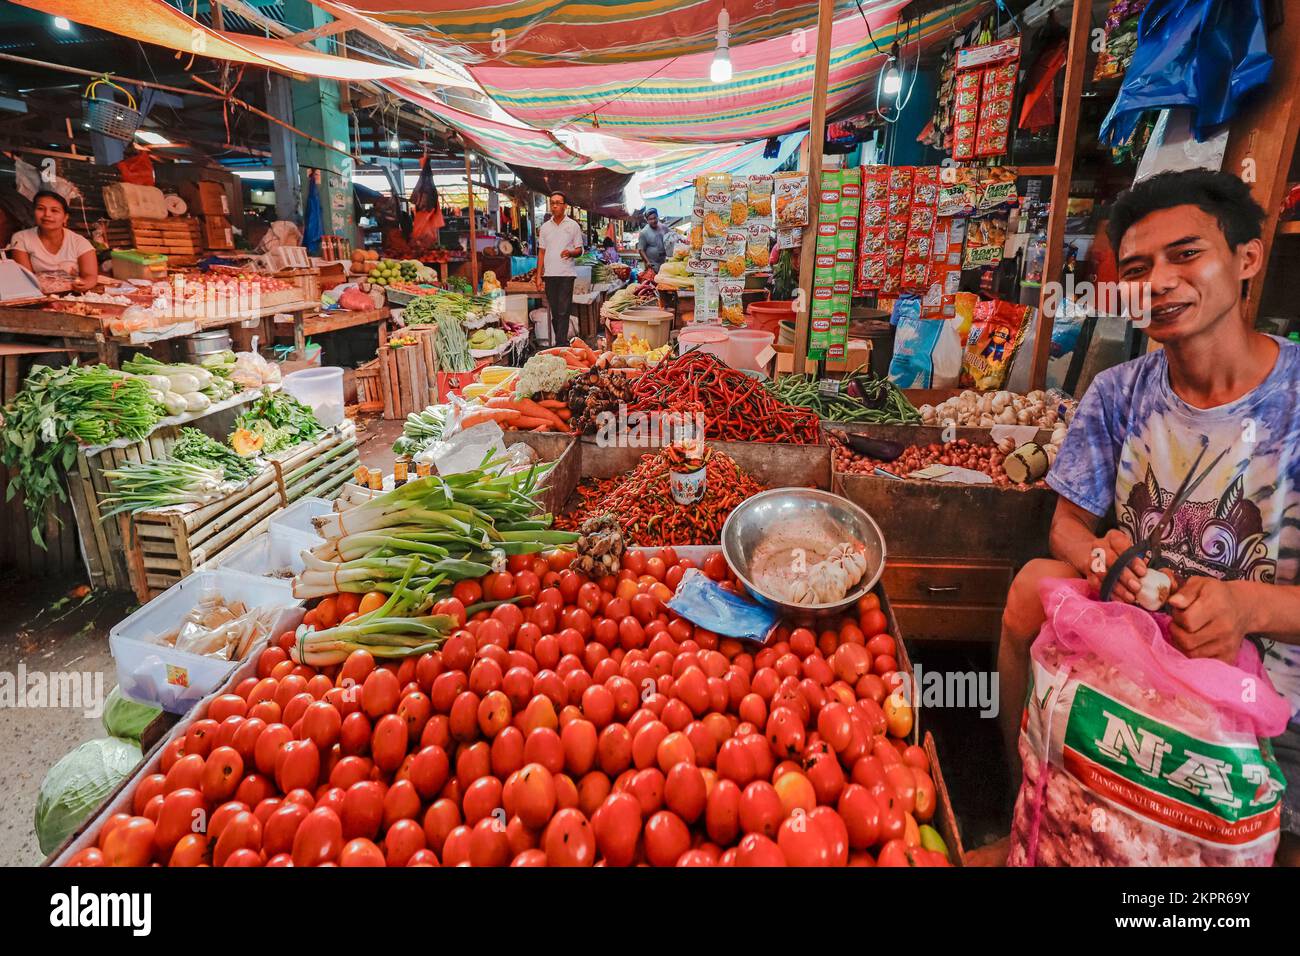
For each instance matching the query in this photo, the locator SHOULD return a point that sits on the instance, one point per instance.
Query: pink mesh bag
(1136, 755)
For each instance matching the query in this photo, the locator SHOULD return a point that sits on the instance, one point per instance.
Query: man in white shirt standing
(560, 244)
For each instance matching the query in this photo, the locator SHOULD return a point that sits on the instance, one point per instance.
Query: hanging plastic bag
(428, 217)
(136, 169)
(1136, 755)
(1202, 54)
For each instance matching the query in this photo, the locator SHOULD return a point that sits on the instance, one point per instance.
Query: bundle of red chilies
(735, 406)
(641, 503)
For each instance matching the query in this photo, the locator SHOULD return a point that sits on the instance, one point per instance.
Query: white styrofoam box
(274, 554)
(155, 673)
(297, 517)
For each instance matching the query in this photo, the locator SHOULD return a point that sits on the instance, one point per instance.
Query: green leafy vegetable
(196, 448)
(281, 419)
(56, 409)
(78, 784)
(125, 718)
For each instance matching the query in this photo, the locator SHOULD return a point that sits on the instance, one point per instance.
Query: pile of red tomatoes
(584, 725)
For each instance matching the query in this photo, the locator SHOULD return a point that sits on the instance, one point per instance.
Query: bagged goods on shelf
(1135, 755)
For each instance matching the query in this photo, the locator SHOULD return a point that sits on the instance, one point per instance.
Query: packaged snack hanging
(996, 332)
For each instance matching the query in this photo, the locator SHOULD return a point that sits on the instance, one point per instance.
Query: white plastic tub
(277, 554)
(297, 517)
(321, 389)
(744, 346)
(710, 339)
(157, 674)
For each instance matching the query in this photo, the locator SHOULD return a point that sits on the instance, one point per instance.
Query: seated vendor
(609, 251)
(1193, 240)
(61, 258)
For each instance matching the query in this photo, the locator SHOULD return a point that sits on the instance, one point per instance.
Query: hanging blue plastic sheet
(1200, 54)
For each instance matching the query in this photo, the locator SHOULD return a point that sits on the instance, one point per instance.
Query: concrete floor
(47, 631)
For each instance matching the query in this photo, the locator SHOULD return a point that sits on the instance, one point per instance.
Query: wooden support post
(473, 235)
(1262, 143)
(816, 139)
(1066, 136)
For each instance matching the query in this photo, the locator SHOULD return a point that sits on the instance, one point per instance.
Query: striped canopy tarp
(550, 32)
(154, 21)
(509, 143)
(770, 92)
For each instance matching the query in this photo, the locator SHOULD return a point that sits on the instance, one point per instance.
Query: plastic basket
(109, 117)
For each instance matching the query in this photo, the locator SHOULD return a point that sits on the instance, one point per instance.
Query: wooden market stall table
(320, 323)
(90, 333)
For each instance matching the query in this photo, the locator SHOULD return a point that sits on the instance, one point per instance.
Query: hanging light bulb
(62, 23)
(892, 80)
(720, 69)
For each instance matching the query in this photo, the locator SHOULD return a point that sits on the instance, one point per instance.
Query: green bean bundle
(862, 398)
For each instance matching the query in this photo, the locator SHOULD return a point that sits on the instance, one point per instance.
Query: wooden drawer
(939, 582)
(949, 622)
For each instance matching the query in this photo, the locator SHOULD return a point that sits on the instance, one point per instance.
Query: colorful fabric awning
(158, 22)
(548, 32)
(770, 92)
(513, 144)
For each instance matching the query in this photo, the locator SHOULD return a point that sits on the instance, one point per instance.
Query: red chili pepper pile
(736, 407)
(642, 504)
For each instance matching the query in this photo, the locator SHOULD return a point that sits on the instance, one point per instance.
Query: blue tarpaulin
(1201, 54)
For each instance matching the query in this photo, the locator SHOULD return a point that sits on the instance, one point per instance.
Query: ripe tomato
(803, 843)
(685, 792)
(130, 843)
(499, 586)
(318, 839)
(758, 850)
(193, 849)
(183, 812)
(360, 852)
(569, 840)
(666, 838)
(617, 827)
(873, 622)
(281, 826)
(715, 567)
(244, 831)
(380, 693)
(297, 764)
(222, 772)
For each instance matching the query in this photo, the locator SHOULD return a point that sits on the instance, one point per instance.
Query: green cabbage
(125, 718)
(78, 784)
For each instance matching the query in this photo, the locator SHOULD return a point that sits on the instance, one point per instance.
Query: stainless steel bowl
(754, 518)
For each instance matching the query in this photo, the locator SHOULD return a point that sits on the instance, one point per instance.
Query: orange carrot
(523, 421)
(531, 408)
(552, 403)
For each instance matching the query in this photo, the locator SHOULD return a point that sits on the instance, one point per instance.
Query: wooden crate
(370, 394)
(178, 236)
(307, 282)
(165, 546)
(949, 584)
(101, 541)
(409, 375)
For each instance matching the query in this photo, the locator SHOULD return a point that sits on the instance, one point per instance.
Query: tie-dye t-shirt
(1133, 440)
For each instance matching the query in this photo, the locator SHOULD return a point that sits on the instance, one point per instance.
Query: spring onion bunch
(437, 528)
(161, 483)
(392, 630)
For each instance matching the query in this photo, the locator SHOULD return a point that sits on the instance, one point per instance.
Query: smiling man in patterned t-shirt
(1194, 239)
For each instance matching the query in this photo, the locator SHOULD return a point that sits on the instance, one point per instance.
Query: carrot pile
(525, 414)
(579, 355)
(736, 407)
(642, 504)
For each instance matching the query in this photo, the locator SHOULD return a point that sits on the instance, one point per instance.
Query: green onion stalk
(391, 631)
(447, 527)
(161, 483)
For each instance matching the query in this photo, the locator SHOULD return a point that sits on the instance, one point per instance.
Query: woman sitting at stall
(61, 258)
